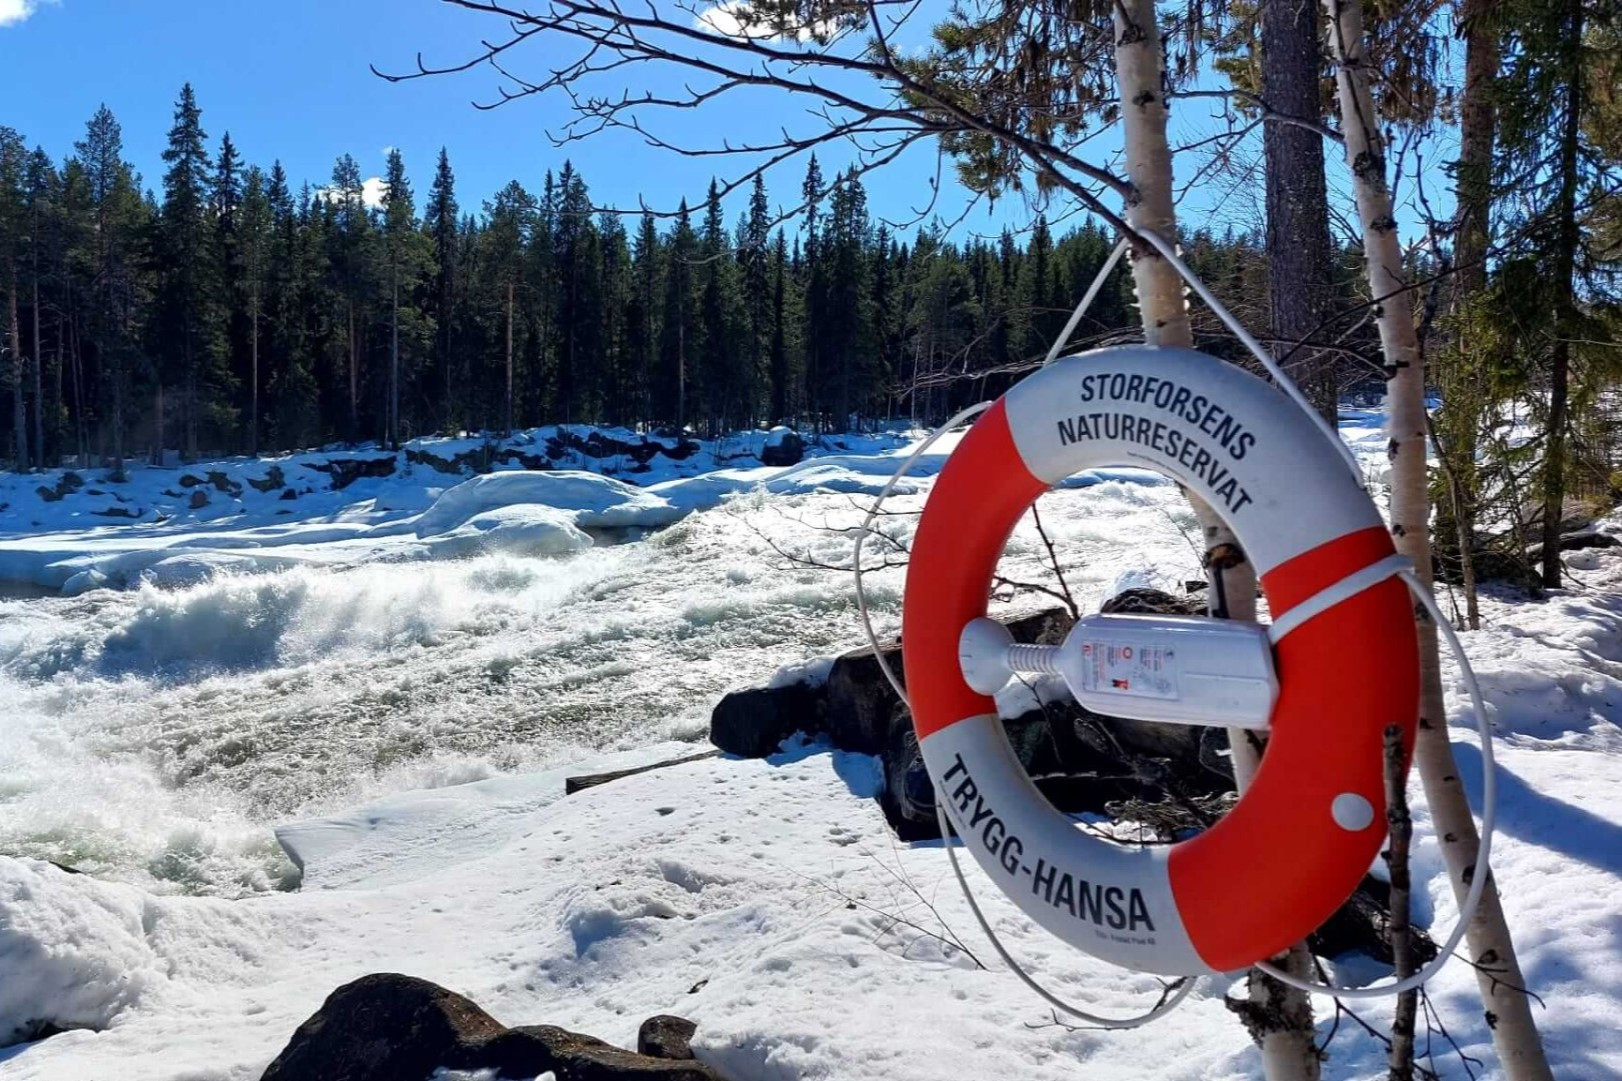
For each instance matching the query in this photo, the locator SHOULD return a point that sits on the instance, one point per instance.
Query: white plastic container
(1177, 669)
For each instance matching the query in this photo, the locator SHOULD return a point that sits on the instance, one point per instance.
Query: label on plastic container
(1139, 669)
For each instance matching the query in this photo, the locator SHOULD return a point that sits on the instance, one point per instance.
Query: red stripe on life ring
(973, 507)
(1343, 677)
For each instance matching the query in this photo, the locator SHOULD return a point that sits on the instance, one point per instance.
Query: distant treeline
(227, 312)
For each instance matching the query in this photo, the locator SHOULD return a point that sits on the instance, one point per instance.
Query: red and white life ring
(1278, 864)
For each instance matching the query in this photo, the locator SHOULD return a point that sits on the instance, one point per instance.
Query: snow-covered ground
(400, 674)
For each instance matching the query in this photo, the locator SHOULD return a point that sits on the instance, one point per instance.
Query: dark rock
(1155, 602)
(70, 482)
(383, 1026)
(223, 483)
(860, 701)
(189, 481)
(535, 1049)
(272, 479)
(666, 1036)
(198, 500)
(346, 471)
(1589, 538)
(752, 723)
(39, 1028)
(787, 449)
(1361, 926)
(288, 493)
(117, 512)
(389, 1027)
(50, 495)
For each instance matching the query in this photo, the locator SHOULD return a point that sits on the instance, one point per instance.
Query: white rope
(1086, 302)
(1331, 595)
(1489, 823)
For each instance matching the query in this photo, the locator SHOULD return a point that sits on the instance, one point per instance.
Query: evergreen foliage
(237, 314)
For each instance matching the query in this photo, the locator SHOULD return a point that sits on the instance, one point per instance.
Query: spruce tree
(440, 220)
(406, 255)
(186, 335)
(678, 334)
(253, 238)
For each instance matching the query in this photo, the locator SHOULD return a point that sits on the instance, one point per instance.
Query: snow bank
(595, 501)
(74, 951)
(524, 529)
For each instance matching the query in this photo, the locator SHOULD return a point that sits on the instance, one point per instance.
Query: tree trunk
(1565, 303)
(118, 434)
(354, 379)
(19, 408)
(1299, 258)
(507, 416)
(1288, 1051)
(1461, 392)
(39, 391)
(1498, 972)
(253, 400)
(394, 364)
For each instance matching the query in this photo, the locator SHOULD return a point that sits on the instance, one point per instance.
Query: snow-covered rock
(595, 501)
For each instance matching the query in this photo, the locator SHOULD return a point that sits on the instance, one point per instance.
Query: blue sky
(297, 86)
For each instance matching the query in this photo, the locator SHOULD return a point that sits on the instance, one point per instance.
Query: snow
(598, 502)
(395, 705)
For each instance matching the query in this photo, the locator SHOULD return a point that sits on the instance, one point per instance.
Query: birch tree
(1503, 988)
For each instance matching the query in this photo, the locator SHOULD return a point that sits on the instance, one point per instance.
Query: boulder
(272, 479)
(666, 1036)
(49, 495)
(389, 1027)
(288, 494)
(198, 500)
(346, 471)
(223, 483)
(860, 703)
(783, 446)
(752, 723)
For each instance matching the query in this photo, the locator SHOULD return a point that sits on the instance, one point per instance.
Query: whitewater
(291, 741)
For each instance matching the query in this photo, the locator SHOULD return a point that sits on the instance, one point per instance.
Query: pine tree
(511, 217)
(118, 220)
(723, 390)
(407, 256)
(642, 318)
(781, 379)
(440, 220)
(351, 241)
(1556, 276)
(13, 213)
(754, 260)
(679, 327)
(42, 186)
(186, 334)
(253, 237)
(226, 201)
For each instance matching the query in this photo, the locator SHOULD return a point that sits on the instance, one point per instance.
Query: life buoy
(1311, 823)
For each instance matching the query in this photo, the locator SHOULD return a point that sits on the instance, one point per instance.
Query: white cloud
(15, 11)
(734, 19)
(372, 190)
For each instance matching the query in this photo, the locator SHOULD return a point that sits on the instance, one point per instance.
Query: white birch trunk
(1498, 972)
(1288, 1050)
